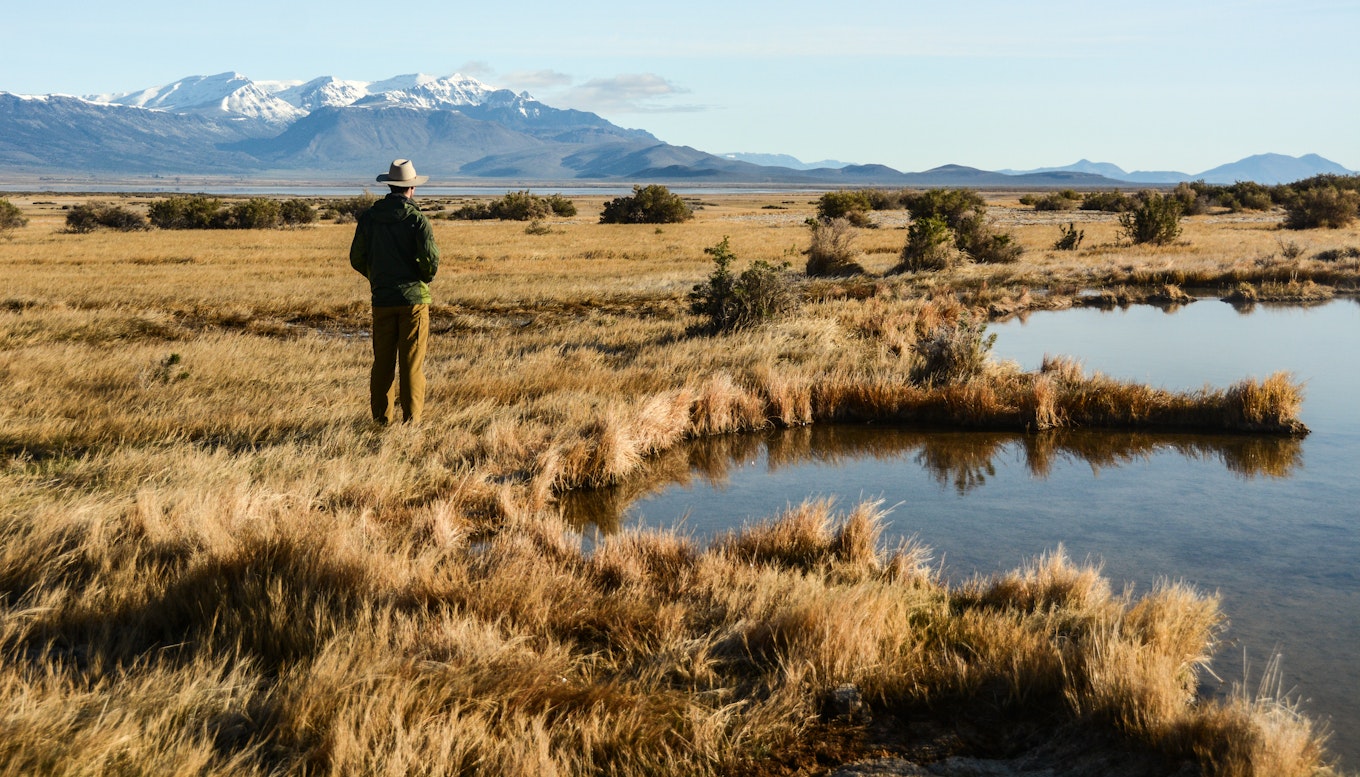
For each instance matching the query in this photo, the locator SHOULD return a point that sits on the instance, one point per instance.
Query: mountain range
(1262, 168)
(457, 128)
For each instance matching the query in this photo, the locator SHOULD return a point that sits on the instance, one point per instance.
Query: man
(394, 248)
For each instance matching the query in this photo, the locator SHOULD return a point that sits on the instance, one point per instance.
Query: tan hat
(402, 174)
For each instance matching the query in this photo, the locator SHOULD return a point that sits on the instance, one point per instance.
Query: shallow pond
(1270, 523)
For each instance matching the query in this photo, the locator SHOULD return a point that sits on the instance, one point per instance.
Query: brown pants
(399, 337)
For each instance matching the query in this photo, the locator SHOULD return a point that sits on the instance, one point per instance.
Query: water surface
(1269, 523)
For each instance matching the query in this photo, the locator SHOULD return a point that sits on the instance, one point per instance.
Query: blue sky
(1155, 85)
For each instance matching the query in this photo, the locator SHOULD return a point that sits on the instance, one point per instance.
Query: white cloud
(537, 79)
(477, 68)
(629, 93)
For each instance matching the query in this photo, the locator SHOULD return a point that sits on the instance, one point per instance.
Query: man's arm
(427, 257)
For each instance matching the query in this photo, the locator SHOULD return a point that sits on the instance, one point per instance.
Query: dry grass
(212, 563)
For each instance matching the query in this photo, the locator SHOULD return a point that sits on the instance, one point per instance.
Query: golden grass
(212, 563)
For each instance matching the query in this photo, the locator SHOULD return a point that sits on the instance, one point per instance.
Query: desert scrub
(517, 206)
(1059, 201)
(929, 246)
(853, 206)
(347, 210)
(1322, 207)
(202, 212)
(1155, 220)
(87, 217)
(832, 251)
(652, 204)
(1069, 237)
(1108, 201)
(185, 212)
(11, 217)
(964, 213)
(296, 212)
(727, 301)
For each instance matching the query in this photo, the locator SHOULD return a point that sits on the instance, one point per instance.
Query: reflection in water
(963, 460)
(1270, 523)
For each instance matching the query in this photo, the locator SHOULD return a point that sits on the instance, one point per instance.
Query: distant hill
(1268, 169)
(1273, 169)
(783, 160)
(456, 128)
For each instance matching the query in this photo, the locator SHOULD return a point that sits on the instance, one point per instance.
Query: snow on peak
(324, 92)
(229, 94)
(234, 95)
(426, 92)
(400, 83)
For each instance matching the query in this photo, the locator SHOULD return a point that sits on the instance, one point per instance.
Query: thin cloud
(629, 93)
(538, 79)
(477, 68)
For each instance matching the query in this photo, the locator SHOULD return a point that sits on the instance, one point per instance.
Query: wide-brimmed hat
(402, 174)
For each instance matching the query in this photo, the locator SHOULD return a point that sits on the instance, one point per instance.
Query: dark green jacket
(394, 248)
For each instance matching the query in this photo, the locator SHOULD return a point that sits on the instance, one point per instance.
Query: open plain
(212, 562)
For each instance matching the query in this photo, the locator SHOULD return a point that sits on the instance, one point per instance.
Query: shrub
(1064, 200)
(255, 213)
(987, 247)
(476, 211)
(1155, 220)
(653, 204)
(11, 218)
(963, 213)
(832, 252)
(1245, 195)
(1328, 207)
(561, 206)
(1192, 197)
(1108, 202)
(853, 206)
(882, 199)
(762, 292)
(123, 219)
(517, 206)
(194, 211)
(296, 212)
(953, 353)
(952, 205)
(202, 212)
(90, 216)
(1069, 237)
(1327, 181)
(930, 246)
(348, 210)
(82, 219)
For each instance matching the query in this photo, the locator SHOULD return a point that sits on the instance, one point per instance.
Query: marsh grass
(214, 564)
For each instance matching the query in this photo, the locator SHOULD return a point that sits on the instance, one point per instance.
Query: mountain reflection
(963, 461)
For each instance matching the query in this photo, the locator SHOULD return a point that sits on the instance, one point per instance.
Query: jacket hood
(393, 208)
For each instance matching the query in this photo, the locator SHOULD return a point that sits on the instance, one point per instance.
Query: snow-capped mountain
(426, 93)
(324, 92)
(229, 95)
(229, 124)
(281, 102)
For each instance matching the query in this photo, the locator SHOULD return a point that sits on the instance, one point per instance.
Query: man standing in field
(394, 248)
